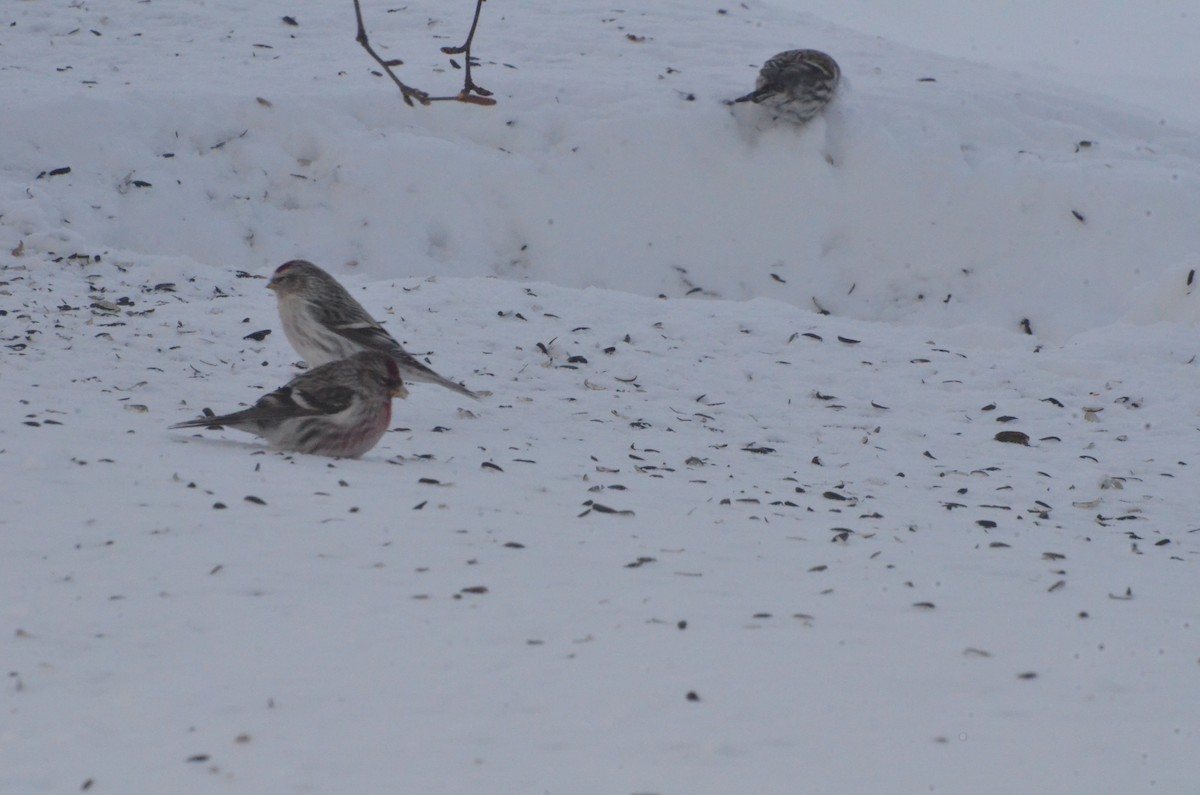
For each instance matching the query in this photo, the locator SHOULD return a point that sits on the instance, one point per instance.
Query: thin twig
(469, 88)
(408, 92)
(471, 93)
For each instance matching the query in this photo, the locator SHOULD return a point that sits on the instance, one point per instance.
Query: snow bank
(936, 192)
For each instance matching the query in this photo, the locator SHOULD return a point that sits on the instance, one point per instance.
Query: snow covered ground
(772, 492)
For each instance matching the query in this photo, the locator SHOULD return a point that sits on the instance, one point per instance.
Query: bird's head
(292, 277)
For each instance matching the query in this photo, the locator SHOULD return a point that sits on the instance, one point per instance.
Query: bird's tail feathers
(754, 96)
(448, 384)
(211, 422)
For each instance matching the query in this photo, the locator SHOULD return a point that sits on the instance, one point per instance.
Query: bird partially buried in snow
(338, 409)
(796, 84)
(324, 323)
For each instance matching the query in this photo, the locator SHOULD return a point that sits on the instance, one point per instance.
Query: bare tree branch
(469, 86)
(409, 93)
(470, 92)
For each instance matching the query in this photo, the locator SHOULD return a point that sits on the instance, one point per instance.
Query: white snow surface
(733, 515)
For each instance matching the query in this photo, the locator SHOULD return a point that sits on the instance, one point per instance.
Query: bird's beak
(271, 285)
(398, 389)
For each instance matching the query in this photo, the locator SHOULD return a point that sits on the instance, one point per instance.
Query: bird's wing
(366, 333)
(302, 400)
(356, 326)
(370, 336)
(286, 403)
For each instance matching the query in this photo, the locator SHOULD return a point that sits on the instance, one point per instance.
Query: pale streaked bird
(796, 84)
(324, 323)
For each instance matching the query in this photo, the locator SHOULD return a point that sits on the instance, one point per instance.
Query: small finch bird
(338, 409)
(324, 323)
(796, 84)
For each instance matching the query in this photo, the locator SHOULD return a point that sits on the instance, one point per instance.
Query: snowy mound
(934, 191)
(854, 458)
